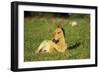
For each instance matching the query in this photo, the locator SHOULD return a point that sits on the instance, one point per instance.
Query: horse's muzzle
(55, 41)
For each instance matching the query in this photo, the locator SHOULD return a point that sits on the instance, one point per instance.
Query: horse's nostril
(55, 41)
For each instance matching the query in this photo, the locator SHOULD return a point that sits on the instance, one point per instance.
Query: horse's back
(46, 41)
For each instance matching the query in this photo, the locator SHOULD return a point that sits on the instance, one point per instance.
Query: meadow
(37, 29)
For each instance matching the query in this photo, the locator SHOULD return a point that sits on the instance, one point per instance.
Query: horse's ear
(59, 26)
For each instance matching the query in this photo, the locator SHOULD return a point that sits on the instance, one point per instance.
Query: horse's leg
(42, 45)
(54, 47)
(58, 50)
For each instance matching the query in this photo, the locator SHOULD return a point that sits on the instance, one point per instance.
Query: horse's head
(58, 34)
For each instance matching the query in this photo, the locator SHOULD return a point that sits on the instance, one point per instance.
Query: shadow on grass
(77, 44)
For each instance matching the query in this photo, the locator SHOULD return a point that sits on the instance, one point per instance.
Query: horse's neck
(61, 42)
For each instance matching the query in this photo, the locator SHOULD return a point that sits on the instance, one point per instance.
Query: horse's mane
(63, 31)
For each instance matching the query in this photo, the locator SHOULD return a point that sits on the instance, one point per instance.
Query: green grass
(37, 29)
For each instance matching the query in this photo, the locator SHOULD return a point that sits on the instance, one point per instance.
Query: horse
(57, 44)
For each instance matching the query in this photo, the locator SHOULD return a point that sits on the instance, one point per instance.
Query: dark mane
(63, 31)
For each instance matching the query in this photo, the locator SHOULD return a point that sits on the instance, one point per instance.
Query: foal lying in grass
(57, 44)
